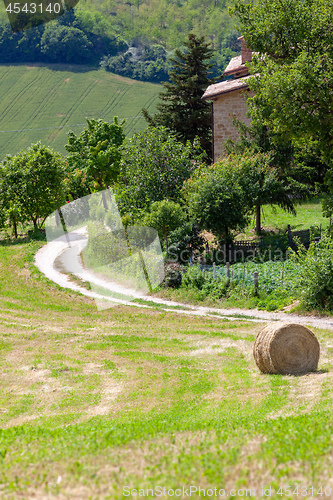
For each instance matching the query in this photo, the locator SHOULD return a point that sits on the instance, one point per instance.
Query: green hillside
(163, 21)
(42, 103)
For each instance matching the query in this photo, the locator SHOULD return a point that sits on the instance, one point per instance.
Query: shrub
(173, 276)
(184, 241)
(105, 247)
(316, 279)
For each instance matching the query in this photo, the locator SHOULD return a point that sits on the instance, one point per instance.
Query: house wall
(224, 108)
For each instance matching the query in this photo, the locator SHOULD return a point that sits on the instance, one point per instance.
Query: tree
(294, 67)
(298, 167)
(327, 202)
(260, 183)
(10, 208)
(65, 44)
(222, 197)
(32, 185)
(216, 200)
(154, 166)
(182, 110)
(165, 216)
(96, 152)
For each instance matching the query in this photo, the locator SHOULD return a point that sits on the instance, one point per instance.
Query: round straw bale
(286, 348)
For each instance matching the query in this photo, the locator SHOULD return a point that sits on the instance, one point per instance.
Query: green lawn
(91, 402)
(43, 102)
(275, 219)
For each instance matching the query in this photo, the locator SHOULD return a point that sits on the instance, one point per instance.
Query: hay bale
(287, 349)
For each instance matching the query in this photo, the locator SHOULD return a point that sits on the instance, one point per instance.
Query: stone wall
(224, 108)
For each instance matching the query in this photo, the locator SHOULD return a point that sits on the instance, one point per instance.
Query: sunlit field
(43, 102)
(93, 402)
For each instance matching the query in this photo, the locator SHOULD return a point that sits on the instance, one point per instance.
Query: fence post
(228, 271)
(289, 235)
(214, 270)
(256, 281)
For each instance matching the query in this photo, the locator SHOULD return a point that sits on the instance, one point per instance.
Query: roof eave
(213, 96)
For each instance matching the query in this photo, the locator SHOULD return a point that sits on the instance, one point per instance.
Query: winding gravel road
(57, 261)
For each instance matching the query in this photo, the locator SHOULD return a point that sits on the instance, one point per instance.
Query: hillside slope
(42, 103)
(164, 21)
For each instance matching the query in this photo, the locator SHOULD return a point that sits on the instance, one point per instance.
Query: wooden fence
(240, 250)
(303, 236)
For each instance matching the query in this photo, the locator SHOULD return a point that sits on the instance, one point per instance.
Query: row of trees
(73, 38)
(158, 181)
(92, 37)
(148, 168)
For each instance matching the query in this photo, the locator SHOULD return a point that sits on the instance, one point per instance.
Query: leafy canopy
(153, 168)
(216, 200)
(165, 216)
(32, 184)
(96, 152)
(221, 197)
(293, 94)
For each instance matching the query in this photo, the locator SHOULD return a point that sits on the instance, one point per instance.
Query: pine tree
(182, 110)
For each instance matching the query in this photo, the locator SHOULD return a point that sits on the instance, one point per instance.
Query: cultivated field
(42, 103)
(91, 402)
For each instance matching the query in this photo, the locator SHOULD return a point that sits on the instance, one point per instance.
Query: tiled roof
(224, 87)
(234, 65)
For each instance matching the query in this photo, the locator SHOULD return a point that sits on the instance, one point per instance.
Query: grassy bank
(43, 102)
(92, 401)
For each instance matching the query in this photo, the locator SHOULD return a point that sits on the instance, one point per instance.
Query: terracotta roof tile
(234, 65)
(224, 87)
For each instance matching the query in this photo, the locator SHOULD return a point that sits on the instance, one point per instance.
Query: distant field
(43, 102)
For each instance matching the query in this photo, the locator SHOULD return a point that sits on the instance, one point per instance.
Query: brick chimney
(246, 52)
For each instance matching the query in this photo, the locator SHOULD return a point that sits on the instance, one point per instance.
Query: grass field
(42, 103)
(275, 219)
(92, 402)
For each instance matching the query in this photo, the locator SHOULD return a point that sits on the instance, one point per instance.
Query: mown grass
(93, 401)
(38, 100)
(274, 219)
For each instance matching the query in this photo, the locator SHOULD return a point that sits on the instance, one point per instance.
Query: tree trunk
(15, 227)
(258, 220)
(105, 204)
(166, 241)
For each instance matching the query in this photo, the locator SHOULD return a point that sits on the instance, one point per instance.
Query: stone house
(229, 100)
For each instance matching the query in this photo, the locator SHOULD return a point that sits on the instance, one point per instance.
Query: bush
(105, 247)
(184, 241)
(146, 64)
(173, 276)
(204, 282)
(216, 200)
(316, 279)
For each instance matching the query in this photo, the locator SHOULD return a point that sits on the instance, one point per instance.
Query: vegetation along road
(47, 256)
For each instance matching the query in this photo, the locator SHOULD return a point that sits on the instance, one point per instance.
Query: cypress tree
(182, 110)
